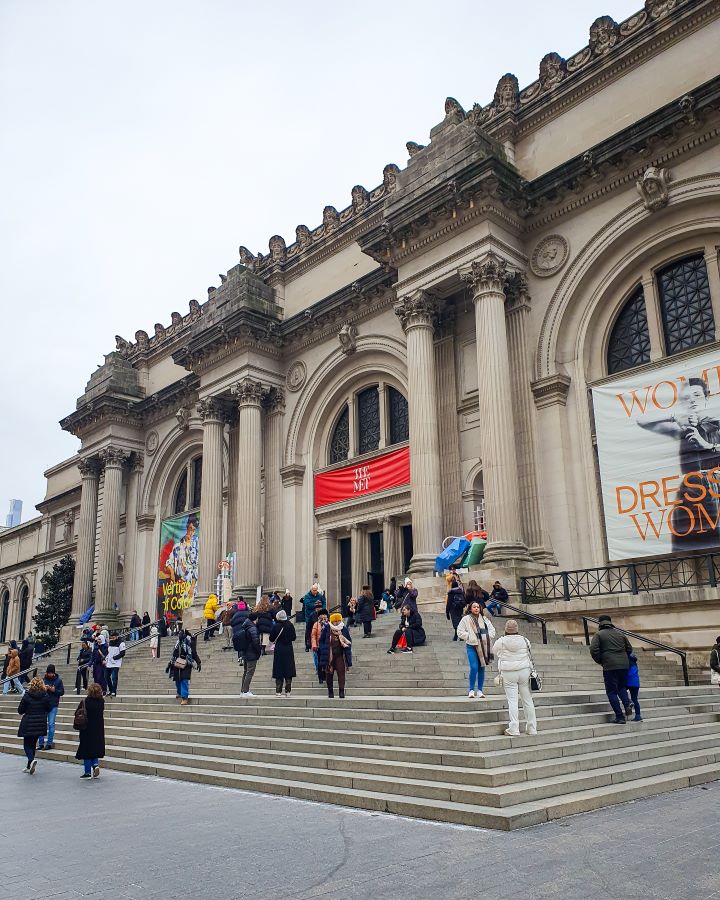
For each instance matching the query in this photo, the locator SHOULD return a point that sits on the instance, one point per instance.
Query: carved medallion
(550, 255)
(151, 443)
(295, 379)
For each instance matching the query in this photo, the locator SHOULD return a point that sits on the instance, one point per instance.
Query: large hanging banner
(178, 562)
(658, 437)
(387, 471)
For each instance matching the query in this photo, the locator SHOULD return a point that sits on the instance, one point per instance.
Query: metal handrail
(681, 653)
(530, 616)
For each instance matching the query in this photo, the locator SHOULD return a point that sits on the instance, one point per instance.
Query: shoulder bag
(535, 676)
(715, 676)
(271, 646)
(80, 719)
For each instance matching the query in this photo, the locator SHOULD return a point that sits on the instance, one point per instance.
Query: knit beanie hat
(335, 618)
(511, 627)
(281, 615)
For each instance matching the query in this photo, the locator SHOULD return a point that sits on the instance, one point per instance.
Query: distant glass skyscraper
(13, 517)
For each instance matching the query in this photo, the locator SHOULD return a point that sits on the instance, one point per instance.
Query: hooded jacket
(57, 683)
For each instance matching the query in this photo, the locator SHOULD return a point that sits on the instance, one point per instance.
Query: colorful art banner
(387, 471)
(658, 438)
(178, 563)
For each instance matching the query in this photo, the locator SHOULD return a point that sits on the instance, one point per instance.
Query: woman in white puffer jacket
(512, 652)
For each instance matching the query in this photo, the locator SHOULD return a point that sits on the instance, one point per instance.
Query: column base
(544, 556)
(109, 617)
(422, 564)
(501, 552)
(247, 591)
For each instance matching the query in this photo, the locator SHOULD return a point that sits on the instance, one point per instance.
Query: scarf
(480, 632)
(337, 631)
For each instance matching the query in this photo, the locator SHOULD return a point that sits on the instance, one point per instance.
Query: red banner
(387, 471)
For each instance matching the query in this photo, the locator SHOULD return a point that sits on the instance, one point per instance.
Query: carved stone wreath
(550, 255)
(151, 443)
(295, 378)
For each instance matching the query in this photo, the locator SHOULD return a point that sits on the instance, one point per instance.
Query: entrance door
(376, 574)
(345, 567)
(407, 545)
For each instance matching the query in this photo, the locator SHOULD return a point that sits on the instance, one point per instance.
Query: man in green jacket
(610, 649)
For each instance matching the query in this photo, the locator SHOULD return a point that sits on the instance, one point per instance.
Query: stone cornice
(99, 412)
(292, 475)
(551, 390)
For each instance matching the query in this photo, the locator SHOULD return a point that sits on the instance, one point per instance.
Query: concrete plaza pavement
(120, 836)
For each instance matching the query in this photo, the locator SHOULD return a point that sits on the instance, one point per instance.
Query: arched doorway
(4, 615)
(24, 601)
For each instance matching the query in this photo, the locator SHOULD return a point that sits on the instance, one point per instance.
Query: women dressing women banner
(178, 562)
(386, 471)
(658, 437)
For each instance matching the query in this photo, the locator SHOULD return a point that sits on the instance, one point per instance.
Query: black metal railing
(529, 616)
(639, 637)
(623, 578)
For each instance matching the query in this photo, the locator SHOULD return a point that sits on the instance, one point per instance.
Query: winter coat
(115, 654)
(473, 632)
(610, 648)
(455, 603)
(185, 648)
(315, 636)
(84, 658)
(283, 634)
(715, 658)
(252, 641)
(499, 594)
(287, 604)
(365, 607)
(34, 708)
(226, 616)
(405, 597)
(92, 738)
(26, 656)
(633, 675)
(237, 623)
(211, 607)
(308, 602)
(153, 637)
(474, 596)
(13, 666)
(146, 624)
(135, 621)
(324, 647)
(512, 652)
(55, 695)
(413, 623)
(265, 621)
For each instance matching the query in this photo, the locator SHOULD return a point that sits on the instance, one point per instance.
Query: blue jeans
(13, 681)
(616, 689)
(89, 764)
(184, 686)
(135, 634)
(477, 672)
(52, 715)
(111, 676)
(493, 607)
(315, 659)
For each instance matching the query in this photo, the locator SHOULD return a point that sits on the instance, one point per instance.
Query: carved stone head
(159, 331)
(360, 198)
(302, 236)
(507, 93)
(552, 70)
(278, 251)
(176, 319)
(331, 219)
(390, 174)
(142, 339)
(604, 34)
(246, 257)
(453, 111)
(653, 188)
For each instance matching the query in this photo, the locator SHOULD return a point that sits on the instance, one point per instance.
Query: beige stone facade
(481, 283)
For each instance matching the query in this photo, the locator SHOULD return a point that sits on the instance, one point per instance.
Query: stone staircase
(406, 740)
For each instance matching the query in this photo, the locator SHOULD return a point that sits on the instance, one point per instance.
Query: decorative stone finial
(194, 309)
(142, 340)
(413, 149)
(604, 34)
(360, 198)
(454, 113)
(278, 250)
(390, 174)
(159, 331)
(176, 319)
(553, 69)
(653, 188)
(303, 237)
(348, 338)
(331, 219)
(122, 345)
(246, 257)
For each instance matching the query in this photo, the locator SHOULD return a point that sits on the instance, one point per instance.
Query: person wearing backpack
(91, 728)
(237, 623)
(84, 661)
(55, 689)
(455, 603)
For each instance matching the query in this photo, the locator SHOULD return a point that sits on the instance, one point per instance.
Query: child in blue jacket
(633, 685)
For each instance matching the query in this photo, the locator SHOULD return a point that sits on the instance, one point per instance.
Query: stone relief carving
(248, 392)
(122, 345)
(454, 113)
(507, 93)
(68, 526)
(113, 457)
(331, 219)
(246, 257)
(142, 340)
(348, 338)
(653, 188)
(658, 9)
(486, 275)
(278, 250)
(553, 69)
(417, 309)
(390, 174)
(183, 418)
(413, 148)
(275, 401)
(151, 442)
(604, 34)
(175, 319)
(303, 237)
(296, 376)
(549, 256)
(159, 331)
(360, 198)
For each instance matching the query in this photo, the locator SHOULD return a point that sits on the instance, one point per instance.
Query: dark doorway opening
(376, 574)
(407, 545)
(345, 566)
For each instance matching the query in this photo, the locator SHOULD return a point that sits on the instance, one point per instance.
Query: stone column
(113, 460)
(358, 565)
(212, 414)
(448, 434)
(496, 401)
(417, 313)
(391, 549)
(517, 311)
(131, 598)
(273, 576)
(249, 395)
(87, 530)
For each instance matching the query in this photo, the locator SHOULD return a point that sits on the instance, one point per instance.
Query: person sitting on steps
(498, 596)
(412, 627)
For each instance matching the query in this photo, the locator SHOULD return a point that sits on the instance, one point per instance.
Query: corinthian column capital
(417, 310)
(114, 457)
(89, 467)
(275, 401)
(248, 392)
(211, 409)
(517, 292)
(486, 275)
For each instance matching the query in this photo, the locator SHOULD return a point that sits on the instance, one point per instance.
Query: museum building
(422, 363)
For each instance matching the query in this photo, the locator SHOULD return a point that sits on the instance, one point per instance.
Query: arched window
(399, 417)
(629, 343)
(340, 440)
(368, 419)
(188, 492)
(24, 601)
(687, 313)
(4, 615)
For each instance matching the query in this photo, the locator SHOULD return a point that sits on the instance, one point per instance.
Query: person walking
(476, 631)
(26, 659)
(310, 604)
(113, 662)
(317, 628)
(412, 627)
(282, 635)
(210, 611)
(455, 602)
(135, 623)
(611, 650)
(184, 658)
(287, 603)
(498, 596)
(514, 656)
(251, 653)
(99, 652)
(154, 637)
(264, 620)
(474, 592)
(225, 626)
(146, 624)
(11, 673)
(55, 689)
(84, 662)
(335, 653)
(237, 623)
(633, 685)
(34, 708)
(365, 610)
(715, 663)
(91, 746)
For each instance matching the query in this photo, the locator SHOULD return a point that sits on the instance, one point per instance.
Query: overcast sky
(142, 142)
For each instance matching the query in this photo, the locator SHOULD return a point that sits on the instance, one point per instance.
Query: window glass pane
(399, 417)
(685, 301)
(629, 343)
(340, 441)
(197, 482)
(181, 494)
(368, 402)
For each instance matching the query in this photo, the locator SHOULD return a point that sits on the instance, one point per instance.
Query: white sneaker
(471, 695)
(511, 733)
(247, 694)
(33, 766)
(480, 695)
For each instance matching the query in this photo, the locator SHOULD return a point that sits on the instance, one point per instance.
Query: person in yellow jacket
(211, 608)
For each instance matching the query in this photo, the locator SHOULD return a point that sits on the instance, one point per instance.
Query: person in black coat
(26, 658)
(135, 623)
(146, 624)
(365, 610)
(84, 661)
(282, 635)
(265, 618)
(287, 603)
(412, 627)
(237, 623)
(185, 649)
(251, 653)
(455, 603)
(91, 748)
(34, 708)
